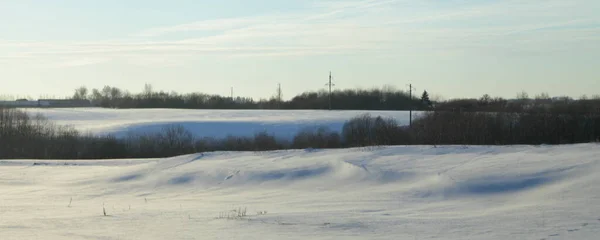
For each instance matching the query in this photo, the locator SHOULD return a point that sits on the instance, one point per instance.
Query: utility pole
(410, 109)
(410, 112)
(330, 84)
(232, 94)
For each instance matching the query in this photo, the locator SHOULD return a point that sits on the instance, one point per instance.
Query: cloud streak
(348, 27)
(207, 25)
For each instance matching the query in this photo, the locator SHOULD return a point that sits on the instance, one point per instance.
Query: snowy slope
(214, 123)
(421, 192)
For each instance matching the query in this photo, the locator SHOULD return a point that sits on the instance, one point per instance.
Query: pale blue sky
(454, 48)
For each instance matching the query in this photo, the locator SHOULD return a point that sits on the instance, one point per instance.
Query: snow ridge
(401, 192)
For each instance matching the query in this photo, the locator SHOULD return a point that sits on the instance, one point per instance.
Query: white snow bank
(205, 123)
(421, 192)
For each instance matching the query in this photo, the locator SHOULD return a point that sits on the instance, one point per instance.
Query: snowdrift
(417, 192)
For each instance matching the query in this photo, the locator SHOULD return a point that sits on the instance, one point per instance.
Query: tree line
(34, 137)
(386, 98)
(522, 104)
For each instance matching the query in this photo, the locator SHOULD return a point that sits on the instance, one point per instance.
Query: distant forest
(350, 99)
(386, 98)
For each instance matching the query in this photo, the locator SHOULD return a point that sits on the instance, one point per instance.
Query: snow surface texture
(417, 192)
(205, 123)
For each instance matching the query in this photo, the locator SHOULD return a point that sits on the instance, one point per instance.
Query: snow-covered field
(417, 192)
(211, 123)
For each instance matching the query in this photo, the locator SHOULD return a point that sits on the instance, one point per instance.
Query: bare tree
(96, 95)
(542, 96)
(115, 93)
(106, 92)
(485, 99)
(148, 90)
(522, 95)
(81, 93)
(436, 98)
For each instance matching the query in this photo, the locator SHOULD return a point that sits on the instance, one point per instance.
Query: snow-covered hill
(211, 123)
(420, 192)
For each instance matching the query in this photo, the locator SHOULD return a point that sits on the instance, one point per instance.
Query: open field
(417, 192)
(202, 123)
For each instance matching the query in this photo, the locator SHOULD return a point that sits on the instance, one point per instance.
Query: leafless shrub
(320, 137)
(265, 142)
(238, 213)
(365, 130)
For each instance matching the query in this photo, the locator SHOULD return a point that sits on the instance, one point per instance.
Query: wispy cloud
(207, 25)
(80, 62)
(348, 27)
